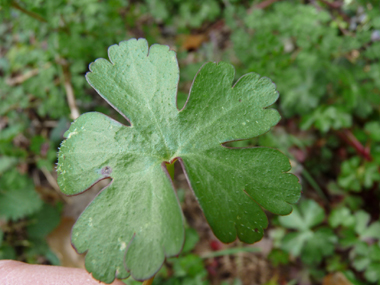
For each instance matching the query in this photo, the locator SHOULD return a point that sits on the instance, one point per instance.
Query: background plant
(323, 56)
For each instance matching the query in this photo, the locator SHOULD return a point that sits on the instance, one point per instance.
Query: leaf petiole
(170, 168)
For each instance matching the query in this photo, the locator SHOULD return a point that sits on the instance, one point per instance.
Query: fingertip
(15, 272)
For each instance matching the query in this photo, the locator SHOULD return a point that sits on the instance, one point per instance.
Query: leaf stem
(350, 139)
(69, 88)
(314, 184)
(170, 168)
(261, 5)
(15, 5)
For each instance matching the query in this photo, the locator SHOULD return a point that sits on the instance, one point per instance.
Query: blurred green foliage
(311, 245)
(322, 55)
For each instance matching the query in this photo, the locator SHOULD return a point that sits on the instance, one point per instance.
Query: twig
(337, 7)
(44, 124)
(350, 139)
(262, 5)
(50, 179)
(69, 89)
(23, 77)
(334, 5)
(27, 12)
(53, 182)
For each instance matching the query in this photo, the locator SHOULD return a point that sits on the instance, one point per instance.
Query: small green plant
(17, 187)
(42, 217)
(323, 57)
(311, 245)
(136, 222)
(367, 259)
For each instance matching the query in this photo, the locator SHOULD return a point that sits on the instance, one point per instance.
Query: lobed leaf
(136, 221)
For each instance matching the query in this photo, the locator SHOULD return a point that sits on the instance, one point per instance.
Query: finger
(18, 273)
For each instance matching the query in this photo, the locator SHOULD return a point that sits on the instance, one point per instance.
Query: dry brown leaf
(60, 243)
(192, 42)
(336, 278)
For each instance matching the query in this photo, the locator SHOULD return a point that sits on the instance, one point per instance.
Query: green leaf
(375, 253)
(364, 229)
(294, 242)
(17, 196)
(373, 128)
(326, 118)
(341, 216)
(311, 245)
(7, 252)
(278, 257)
(304, 217)
(43, 222)
(6, 162)
(321, 244)
(367, 259)
(36, 144)
(189, 265)
(356, 176)
(360, 263)
(362, 220)
(139, 209)
(372, 273)
(37, 248)
(191, 239)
